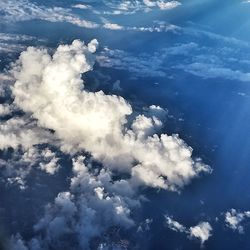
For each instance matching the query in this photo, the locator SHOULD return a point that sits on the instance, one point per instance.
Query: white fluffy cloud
(51, 89)
(24, 10)
(131, 7)
(92, 204)
(234, 219)
(202, 231)
(50, 163)
(21, 131)
(113, 26)
(60, 112)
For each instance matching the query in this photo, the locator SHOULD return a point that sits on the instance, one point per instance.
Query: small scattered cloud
(132, 7)
(234, 219)
(23, 10)
(202, 231)
(81, 6)
(113, 26)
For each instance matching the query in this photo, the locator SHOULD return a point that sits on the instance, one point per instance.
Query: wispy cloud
(23, 10)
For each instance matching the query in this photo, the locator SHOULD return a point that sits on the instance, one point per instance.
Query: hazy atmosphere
(124, 125)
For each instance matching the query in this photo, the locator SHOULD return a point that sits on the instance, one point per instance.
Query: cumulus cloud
(163, 5)
(175, 225)
(79, 119)
(234, 219)
(59, 112)
(92, 204)
(21, 131)
(16, 165)
(202, 231)
(5, 109)
(50, 162)
(81, 6)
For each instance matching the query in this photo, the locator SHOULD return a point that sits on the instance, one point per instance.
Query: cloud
(81, 6)
(23, 10)
(20, 131)
(156, 27)
(211, 70)
(132, 7)
(60, 113)
(41, 91)
(50, 164)
(234, 219)
(113, 26)
(167, 5)
(140, 66)
(5, 109)
(16, 165)
(202, 231)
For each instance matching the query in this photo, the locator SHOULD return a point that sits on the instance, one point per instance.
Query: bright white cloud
(15, 43)
(163, 5)
(52, 90)
(234, 219)
(202, 231)
(24, 10)
(17, 167)
(50, 162)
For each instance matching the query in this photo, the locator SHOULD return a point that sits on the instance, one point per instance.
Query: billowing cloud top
(51, 89)
(61, 114)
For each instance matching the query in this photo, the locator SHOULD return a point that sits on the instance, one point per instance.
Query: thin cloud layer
(96, 122)
(24, 10)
